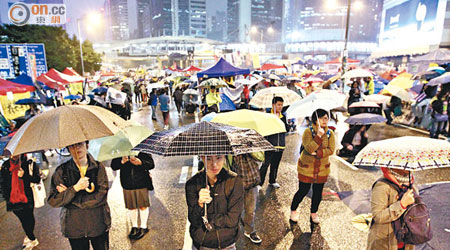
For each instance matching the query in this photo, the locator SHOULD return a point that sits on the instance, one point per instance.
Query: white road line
(184, 174)
(187, 245)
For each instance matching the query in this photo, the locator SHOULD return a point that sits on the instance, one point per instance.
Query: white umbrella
(398, 92)
(323, 99)
(263, 98)
(357, 73)
(443, 79)
(191, 92)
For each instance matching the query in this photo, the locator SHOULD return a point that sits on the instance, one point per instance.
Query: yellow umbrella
(64, 126)
(397, 91)
(263, 123)
(403, 82)
(362, 222)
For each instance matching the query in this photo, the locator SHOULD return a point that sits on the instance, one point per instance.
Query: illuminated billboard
(412, 23)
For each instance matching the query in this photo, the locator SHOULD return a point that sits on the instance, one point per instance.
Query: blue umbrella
(226, 104)
(208, 117)
(100, 90)
(28, 101)
(72, 97)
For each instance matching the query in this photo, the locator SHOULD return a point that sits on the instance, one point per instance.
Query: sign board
(17, 59)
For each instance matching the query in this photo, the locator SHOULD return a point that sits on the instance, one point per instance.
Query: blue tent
(226, 104)
(24, 80)
(222, 68)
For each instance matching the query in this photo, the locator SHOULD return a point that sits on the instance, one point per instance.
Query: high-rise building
(217, 26)
(161, 21)
(183, 18)
(118, 18)
(266, 20)
(197, 18)
(238, 20)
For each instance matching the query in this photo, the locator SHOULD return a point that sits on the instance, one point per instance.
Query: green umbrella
(213, 82)
(120, 144)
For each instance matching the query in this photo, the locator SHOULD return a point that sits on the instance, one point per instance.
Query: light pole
(93, 19)
(345, 52)
(81, 46)
(254, 30)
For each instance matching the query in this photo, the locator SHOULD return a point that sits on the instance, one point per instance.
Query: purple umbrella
(365, 119)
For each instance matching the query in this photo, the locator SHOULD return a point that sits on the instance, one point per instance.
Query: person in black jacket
(136, 182)
(394, 106)
(16, 177)
(80, 187)
(354, 140)
(273, 158)
(223, 197)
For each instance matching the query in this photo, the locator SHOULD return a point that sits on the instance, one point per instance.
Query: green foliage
(61, 50)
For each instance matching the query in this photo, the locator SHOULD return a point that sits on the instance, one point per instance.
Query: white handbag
(39, 193)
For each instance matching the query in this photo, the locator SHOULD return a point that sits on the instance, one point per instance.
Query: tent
(269, 66)
(334, 65)
(439, 55)
(49, 82)
(192, 68)
(24, 80)
(222, 68)
(71, 72)
(63, 78)
(9, 86)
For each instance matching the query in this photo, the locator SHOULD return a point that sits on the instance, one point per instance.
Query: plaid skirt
(136, 198)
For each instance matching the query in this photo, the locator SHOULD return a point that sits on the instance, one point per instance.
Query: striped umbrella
(263, 98)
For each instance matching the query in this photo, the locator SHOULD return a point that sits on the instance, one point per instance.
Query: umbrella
(263, 123)
(443, 79)
(28, 101)
(120, 144)
(208, 117)
(100, 90)
(397, 91)
(408, 152)
(204, 138)
(213, 82)
(377, 98)
(274, 77)
(438, 69)
(362, 222)
(72, 97)
(191, 92)
(426, 75)
(263, 98)
(158, 85)
(357, 73)
(313, 80)
(402, 82)
(64, 126)
(293, 78)
(365, 104)
(365, 119)
(323, 99)
(227, 104)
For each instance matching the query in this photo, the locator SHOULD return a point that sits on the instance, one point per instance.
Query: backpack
(413, 227)
(313, 135)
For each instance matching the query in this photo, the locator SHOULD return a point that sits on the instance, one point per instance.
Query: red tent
(62, 78)
(269, 66)
(71, 72)
(8, 86)
(339, 60)
(192, 68)
(50, 82)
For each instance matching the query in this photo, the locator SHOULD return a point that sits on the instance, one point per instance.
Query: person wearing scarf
(386, 208)
(16, 177)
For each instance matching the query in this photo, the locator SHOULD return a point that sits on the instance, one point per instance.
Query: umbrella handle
(91, 189)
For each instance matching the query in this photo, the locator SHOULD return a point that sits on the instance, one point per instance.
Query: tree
(61, 51)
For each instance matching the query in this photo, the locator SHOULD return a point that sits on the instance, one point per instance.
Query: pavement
(168, 213)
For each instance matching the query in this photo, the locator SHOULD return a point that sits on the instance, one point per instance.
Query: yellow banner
(256, 62)
(11, 110)
(76, 88)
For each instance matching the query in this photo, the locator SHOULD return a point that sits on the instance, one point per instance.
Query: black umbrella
(365, 119)
(204, 138)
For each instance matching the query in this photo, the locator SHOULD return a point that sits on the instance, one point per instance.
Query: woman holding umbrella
(313, 165)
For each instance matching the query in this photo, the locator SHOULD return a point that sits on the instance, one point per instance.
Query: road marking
(187, 245)
(184, 174)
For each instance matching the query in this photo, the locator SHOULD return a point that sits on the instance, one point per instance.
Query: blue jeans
(436, 128)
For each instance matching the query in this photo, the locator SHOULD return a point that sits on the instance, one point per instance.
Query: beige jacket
(385, 208)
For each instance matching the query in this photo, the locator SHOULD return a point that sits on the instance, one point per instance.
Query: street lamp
(254, 30)
(93, 19)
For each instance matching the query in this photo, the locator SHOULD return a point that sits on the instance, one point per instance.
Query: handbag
(440, 117)
(39, 193)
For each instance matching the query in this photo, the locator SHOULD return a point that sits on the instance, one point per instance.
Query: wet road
(168, 212)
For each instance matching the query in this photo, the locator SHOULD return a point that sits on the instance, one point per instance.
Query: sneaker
(134, 231)
(315, 218)
(31, 244)
(254, 237)
(294, 216)
(141, 232)
(25, 241)
(275, 185)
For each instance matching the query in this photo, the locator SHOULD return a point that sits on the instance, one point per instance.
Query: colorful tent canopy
(269, 66)
(222, 68)
(24, 80)
(9, 86)
(62, 78)
(49, 82)
(71, 72)
(192, 68)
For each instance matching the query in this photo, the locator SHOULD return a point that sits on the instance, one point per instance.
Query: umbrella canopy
(204, 138)
(313, 80)
(397, 91)
(191, 92)
(408, 152)
(64, 126)
(438, 69)
(213, 82)
(222, 68)
(365, 119)
(402, 82)
(227, 104)
(120, 144)
(263, 98)
(274, 77)
(158, 85)
(72, 97)
(426, 75)
(293, 78)
(357, 73)
(208, 117)
(443, 79)
(323, 99)
(28, 101)
(377, 98)
(263, 123)
(364, 104)
(269, 66)
(100, 90)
